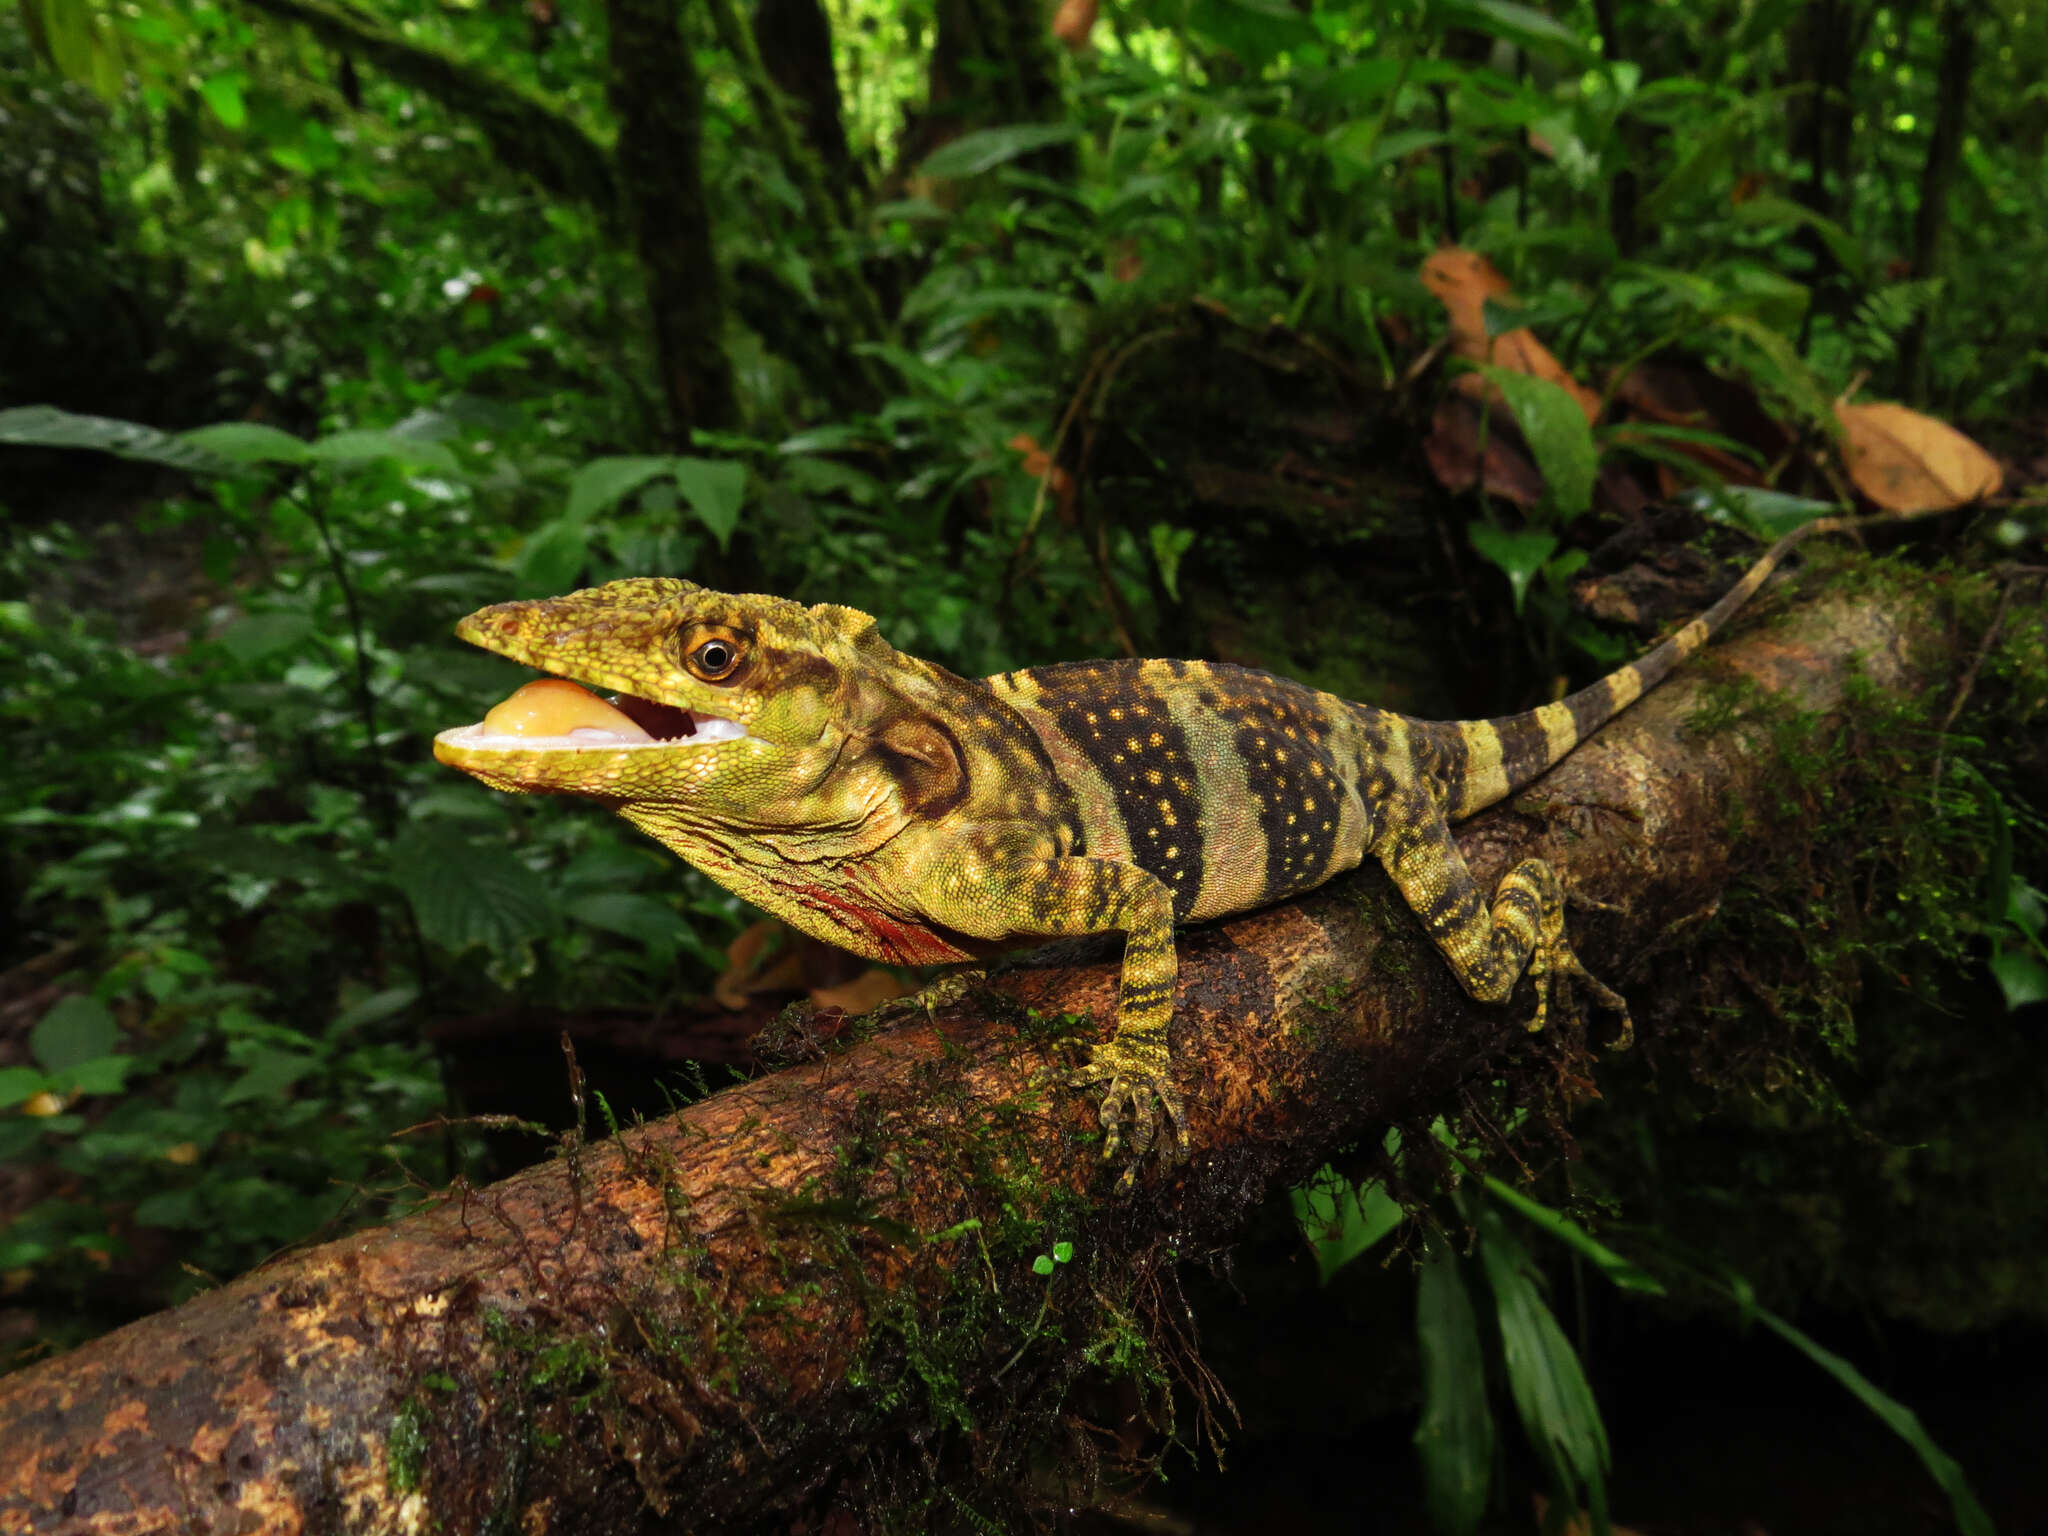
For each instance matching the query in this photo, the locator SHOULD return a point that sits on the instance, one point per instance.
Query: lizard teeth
(713, 728)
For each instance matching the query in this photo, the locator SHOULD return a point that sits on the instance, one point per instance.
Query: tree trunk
(823, 1280)
(659, 100)
(795, 39)
(1958, 28)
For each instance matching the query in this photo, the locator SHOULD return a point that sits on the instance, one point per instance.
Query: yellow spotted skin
(913, 816)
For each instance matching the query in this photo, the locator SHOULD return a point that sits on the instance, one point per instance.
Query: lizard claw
(1140, 1084)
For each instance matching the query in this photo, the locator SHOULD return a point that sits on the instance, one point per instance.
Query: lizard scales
(885, 804)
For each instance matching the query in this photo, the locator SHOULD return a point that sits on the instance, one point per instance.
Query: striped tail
(1505, 754)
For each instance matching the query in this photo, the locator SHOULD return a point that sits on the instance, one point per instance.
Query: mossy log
(826, 1275)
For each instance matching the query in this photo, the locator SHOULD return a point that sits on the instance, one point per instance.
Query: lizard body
(886, 805)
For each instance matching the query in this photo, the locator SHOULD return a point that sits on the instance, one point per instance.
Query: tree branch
(526, 131)
(728, 1311)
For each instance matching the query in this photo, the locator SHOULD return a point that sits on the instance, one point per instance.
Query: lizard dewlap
(553, 706)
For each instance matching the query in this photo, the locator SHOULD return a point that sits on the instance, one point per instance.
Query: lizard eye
(715, 659)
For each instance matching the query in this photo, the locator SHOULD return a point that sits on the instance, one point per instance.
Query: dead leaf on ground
(1464, 280)
(1907, 462)
(1073, 23)
(870, 989)
(1038, 465)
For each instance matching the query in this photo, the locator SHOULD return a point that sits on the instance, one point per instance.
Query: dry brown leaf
(1074, 22)
(1907, 462)
(1464, 280)
(765, 957)
(1452, 449)
(870, 989)
(1681, 393)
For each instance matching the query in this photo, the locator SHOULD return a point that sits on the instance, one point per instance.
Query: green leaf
(1341, 1220)
(2022, 976)
(1455, 1435)
(649, 920)
(77, 1029)
(1763, 212)
(102, 1074)
(467, 894)
(552, 559)
(1168, 545)
(20, 1084)
(1062, 1252)
(1558, 434)
(1787, 369)
(1625, 1273)
(374, 1008)
(1522, 25)
(986, 148)
(269, 1073)
(248, 442)
(364, 446)
(1971, 1519)
(716, 489)
(1545, 1379)
(1520, 552)
(44, 426)
(1042, 1265)
(223, 93)
(1770, 515)
(604, 483)
(257, 635)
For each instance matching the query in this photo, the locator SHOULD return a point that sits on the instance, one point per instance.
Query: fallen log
(833, 1272)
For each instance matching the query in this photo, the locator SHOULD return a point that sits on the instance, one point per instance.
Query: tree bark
(1958, 27)
(659, 101)
(734, 1310)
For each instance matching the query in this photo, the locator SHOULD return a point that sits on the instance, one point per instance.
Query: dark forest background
(1440, 354)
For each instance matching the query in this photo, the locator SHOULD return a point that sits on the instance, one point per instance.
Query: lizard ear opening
(924, 758)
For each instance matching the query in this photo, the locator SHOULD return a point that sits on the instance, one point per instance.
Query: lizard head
(728, 704)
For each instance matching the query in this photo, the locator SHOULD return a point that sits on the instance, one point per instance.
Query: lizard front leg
(989, 896)
(1488, 944)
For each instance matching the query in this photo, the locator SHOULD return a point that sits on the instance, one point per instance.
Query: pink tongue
(553, 706)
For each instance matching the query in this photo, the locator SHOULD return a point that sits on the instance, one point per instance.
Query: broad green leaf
(1768, 210)
(716, 489)
(363, 446)
(1168, 545)
(651, 921)
(1545, 1379)
(1341, 1220)
(1623, 1272)
(469, 894)
(102, 1074)
(248, 442)
(603, 483)
(172, 1208)
(1767, 514)
(1700, 170)
(1504, 315)
(2022, 976)
(257, 635)
(374, 1008)
(78, 1028)
(1455, 1435)
(67, 27)
(1522, 25)
(1971, 1519)
(987, 148)
(1520, 552)
(44, 426)
(268, 1074)
(223, 93)
(552, 559)
(1558, 435)
(18, 1084)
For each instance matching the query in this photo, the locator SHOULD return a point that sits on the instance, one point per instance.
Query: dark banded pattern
(1280, 733)
(1123, 728)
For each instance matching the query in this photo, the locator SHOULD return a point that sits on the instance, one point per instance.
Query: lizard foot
(1556, 970)
(1140, 1084)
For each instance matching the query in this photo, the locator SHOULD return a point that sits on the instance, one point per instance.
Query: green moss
(405, 1447)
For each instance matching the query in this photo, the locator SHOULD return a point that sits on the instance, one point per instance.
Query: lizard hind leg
(1491, 943)
(1528, 921)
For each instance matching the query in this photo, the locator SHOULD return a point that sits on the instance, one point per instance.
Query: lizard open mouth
(553, 714)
